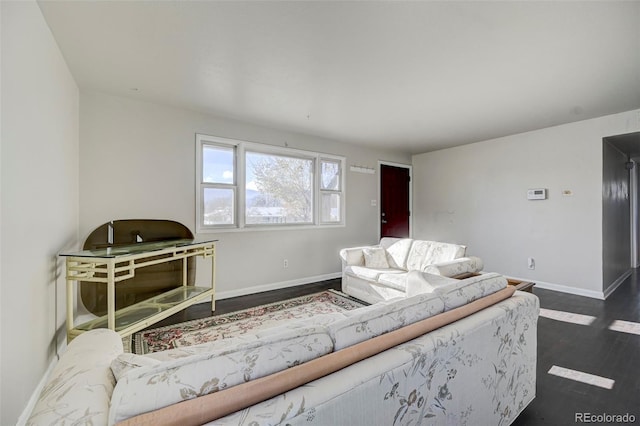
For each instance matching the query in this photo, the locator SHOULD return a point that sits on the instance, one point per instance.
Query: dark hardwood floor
(592, 349)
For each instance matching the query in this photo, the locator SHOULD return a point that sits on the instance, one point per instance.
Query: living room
(75, 156)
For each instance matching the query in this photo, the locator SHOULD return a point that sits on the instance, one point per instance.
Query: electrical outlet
(285, 263)
(531, 263)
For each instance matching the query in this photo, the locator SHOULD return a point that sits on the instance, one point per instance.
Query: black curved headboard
(148, 281)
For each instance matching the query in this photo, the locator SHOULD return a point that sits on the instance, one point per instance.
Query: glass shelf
(138, 248)
(149, 308)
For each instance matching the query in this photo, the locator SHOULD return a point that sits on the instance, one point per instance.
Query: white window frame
(339, 191)
(222, 143)
(240, 149)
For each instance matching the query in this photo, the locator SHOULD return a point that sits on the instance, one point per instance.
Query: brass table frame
(112, 265)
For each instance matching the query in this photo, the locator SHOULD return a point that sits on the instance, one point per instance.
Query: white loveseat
(465, 353)
(380, 272)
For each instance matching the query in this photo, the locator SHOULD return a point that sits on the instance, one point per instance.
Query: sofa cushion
(371, 274)
(422, 282)
(364, 323)
(465, 291)
(295, 326)
(368, 291)
(301, 324)
(206, 347)
(395, 280)
(397, 251)
(148, 388)
(425, 253)
(375, 257)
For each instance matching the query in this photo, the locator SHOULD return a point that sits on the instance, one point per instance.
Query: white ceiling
(415, 76)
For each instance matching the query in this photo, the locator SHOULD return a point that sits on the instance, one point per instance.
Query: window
(279, 189)
(330, 191)
(218, 185)
(248, 185)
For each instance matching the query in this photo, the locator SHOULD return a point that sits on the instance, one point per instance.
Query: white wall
(138, 161)
(476, 195)
(39, 199)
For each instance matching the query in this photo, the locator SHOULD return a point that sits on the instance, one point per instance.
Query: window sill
(279, 228)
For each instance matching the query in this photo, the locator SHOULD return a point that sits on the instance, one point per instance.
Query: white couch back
(409, 254)
(425, 253)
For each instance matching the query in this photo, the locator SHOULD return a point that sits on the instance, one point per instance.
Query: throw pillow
(375, 257)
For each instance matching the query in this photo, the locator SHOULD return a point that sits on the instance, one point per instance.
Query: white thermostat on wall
(537, 194)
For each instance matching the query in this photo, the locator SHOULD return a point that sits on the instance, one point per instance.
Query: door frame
(634, 206)
(400, 165)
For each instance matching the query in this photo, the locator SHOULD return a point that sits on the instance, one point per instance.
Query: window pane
(278, 189)
(330, 176)
(330, 207)
(219, 206)
(218, 164)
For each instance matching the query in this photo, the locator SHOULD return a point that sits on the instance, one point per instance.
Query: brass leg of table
(111, 296)
(69, 308)
(184, 271)
(213, 281)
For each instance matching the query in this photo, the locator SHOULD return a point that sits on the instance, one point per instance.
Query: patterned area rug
(235, 323)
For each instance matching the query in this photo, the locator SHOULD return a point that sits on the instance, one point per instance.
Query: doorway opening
(620, 206)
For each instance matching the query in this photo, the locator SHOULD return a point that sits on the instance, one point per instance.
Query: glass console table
(111, 265)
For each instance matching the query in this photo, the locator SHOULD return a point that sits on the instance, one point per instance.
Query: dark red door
(394, 201)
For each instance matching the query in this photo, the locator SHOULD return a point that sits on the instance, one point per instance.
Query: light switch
(374, 203)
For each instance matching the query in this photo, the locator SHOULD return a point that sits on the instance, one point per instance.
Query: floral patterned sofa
(380, 272)
(462, 353)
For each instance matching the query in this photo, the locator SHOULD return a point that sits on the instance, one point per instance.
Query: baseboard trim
(565, 289)
(275, 286)
(609, 290)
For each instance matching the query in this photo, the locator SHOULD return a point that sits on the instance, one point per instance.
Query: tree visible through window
(279, 189)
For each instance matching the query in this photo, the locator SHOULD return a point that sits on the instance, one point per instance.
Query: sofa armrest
(80, 386)
(456, 267)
